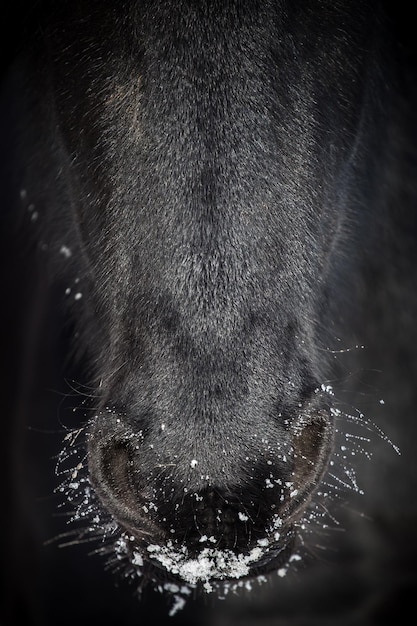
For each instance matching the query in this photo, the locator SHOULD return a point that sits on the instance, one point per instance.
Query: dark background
(362, 573)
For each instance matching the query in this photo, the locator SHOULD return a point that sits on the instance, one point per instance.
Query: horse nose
(187, 501)
(229, 504)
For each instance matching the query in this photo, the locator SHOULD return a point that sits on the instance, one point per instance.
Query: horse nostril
(115, 462)
(114, 476)
(312, 441)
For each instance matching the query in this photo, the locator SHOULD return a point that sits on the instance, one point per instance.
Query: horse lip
(170, 563)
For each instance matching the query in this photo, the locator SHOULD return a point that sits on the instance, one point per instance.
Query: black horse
(201, 181)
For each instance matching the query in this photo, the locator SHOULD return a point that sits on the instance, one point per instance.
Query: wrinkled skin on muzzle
(207, 151)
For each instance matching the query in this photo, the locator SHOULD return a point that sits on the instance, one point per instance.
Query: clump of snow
(263, 542)
(65, 251)
(210, 563)
(327, 389)
(180, 594)
(137, 559)
(276, 523)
